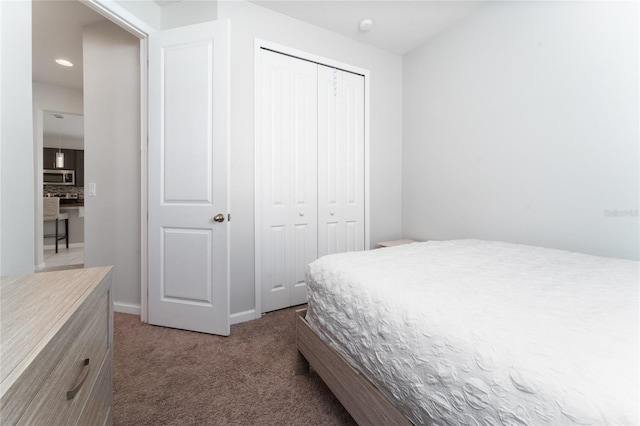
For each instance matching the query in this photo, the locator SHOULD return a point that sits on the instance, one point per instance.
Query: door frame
(134, 25)
(260, 44)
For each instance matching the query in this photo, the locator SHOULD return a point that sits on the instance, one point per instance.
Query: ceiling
(63, 125)
(57, 33)
(398, 25)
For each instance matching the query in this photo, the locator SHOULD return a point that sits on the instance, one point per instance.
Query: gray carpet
(164, 376)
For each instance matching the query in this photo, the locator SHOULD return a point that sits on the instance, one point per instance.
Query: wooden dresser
(56, 335)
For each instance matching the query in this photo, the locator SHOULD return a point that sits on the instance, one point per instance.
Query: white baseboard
(63, 245)
(126, 308)
(237, 318)
(40, 266)
(244, 316)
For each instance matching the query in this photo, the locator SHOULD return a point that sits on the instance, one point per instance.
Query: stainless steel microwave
(59, 177)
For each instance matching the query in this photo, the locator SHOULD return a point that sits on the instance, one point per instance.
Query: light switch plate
(91, 190)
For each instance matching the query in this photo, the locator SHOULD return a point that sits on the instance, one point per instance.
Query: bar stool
(51, 211)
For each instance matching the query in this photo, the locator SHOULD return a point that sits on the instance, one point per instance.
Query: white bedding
(470, 332)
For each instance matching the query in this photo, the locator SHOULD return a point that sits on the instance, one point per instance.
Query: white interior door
(341, 174)
(287, 145)
(188, 230)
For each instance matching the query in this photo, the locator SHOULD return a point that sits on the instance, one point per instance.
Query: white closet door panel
(304, 186)
(354, 202)
(275, 161)
(329, 161)
(277, 276)
(340, 161)
(328, 238)
(353, 137)
(302, 256)
(288, 194)
(352, 235)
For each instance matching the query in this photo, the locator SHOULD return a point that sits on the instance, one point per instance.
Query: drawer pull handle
(72, 393)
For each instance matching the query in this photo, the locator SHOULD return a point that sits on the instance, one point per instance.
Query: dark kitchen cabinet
(79, 167)
(69, 159)
(73, 160)
(49, 158)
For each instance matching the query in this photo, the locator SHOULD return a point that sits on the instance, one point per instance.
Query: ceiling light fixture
(64, 63)
(59, 155)
(366, 25)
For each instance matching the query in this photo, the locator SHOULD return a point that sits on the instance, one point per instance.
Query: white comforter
(471, 332)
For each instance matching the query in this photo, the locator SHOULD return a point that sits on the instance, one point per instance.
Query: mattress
(470, 332)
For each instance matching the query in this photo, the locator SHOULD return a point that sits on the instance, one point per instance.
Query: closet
(310, 174)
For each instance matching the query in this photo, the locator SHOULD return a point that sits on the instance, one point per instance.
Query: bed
(470, 332)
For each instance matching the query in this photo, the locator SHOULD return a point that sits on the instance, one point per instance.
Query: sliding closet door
(341, 203)
(287, 155)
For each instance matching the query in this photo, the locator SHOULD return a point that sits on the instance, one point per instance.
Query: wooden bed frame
(366, 404)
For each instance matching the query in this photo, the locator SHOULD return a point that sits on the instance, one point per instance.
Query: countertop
(72, 203)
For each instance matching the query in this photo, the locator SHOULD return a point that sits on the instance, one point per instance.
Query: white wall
(57, 98)
(248, 22)
(147, 11)
(521, 125)
(47, 97)
(170, 15)
(112, 156)
(52, 141)
(16, 143)
(188, 12)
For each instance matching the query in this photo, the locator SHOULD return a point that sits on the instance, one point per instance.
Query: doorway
(58, 122)
(63, 154)
(112, 98)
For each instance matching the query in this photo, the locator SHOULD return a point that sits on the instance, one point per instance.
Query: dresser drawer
(97, 410)
(54, 404)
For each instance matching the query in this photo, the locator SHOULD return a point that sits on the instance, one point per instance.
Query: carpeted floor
(164, 376)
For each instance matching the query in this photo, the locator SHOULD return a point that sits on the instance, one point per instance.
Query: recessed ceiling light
(64, 62)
